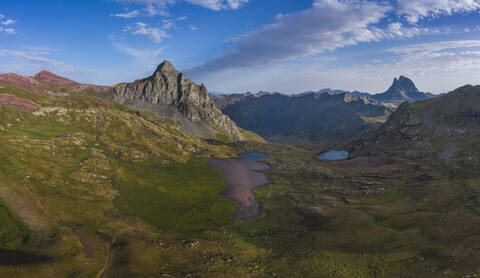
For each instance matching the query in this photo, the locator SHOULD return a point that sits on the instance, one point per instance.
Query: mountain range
(402, 90)
(167, 93)
(312, 118)
(114, 181)
(324, 117)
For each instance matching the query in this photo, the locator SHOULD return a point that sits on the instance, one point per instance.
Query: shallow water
(242, 178)
(333, 155)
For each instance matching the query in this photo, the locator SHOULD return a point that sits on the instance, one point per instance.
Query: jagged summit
(403, 84)
(402, 90)
(170, 93)
(406, 84)
(166, 66)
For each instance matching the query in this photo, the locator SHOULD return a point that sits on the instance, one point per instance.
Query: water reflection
(242, 178)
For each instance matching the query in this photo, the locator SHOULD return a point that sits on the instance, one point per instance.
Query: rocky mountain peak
(170, 93)
(407, 84)
(402, 90)
(166, 67)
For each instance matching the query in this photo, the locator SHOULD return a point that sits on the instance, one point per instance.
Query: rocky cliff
(170, 93)
(443, 129)
(402, 90)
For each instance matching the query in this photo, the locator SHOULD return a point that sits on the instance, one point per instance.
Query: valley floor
(104, 191)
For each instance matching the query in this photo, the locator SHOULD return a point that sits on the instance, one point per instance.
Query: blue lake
(333, 155)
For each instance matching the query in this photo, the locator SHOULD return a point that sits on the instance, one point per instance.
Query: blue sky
(235, 46)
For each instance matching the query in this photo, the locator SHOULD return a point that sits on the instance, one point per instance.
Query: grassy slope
(99, 180)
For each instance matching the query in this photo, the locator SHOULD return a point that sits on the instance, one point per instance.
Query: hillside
(438, 130)
(312, 118)
(168, 93)
(93, 188)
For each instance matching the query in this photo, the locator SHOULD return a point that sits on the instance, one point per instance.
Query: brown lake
(242, 177)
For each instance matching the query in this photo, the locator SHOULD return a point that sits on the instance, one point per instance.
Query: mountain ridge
(168, 92)
(402, 90)
(311, 118)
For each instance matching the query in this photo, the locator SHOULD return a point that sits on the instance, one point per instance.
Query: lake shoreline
(243, 176)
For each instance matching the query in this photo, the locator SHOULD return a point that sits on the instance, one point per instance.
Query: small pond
(242, 177)
(333, 155)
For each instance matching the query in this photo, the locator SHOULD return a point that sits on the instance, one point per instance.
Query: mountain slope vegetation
(323, 119)
(90, 187)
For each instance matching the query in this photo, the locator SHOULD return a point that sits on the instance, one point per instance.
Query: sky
(235, 46)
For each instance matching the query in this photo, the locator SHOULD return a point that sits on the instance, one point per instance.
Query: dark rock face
(402, 90)
(311, 118)
(169, 91)
(442, 129)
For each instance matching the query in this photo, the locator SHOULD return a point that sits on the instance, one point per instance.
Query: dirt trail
(103, 271)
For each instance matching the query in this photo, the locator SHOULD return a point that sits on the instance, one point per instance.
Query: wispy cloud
(9, 22)
(130, 14)
(218, 5)
(426, 48)
(9, 31)
(328, 25)
(160, 7)
(437, 67)
(156, 34)
(415, 10)
(29, 63)
(143, 57)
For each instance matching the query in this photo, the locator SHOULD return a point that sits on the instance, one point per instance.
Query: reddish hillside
(26, 83)
(54, 80)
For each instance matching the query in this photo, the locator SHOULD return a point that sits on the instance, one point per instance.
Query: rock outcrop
(402, 90)
(170, 93)
(439, 129)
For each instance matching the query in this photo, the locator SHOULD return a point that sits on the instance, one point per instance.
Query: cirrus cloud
(130, 14)
(328, 25)
(156, 34)
(160, 7)
(415, 10)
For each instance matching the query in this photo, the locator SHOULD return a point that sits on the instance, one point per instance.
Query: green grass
(185, 197)
(12, 232)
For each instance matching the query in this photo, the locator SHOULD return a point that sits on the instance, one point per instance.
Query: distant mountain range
(402, 90)
(335, 92)
(326, 116)
(310, 118)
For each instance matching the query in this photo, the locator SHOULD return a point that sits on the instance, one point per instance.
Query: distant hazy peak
(405, 84)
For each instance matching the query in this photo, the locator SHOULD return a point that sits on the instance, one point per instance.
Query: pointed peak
(165, 66)
(404, 79)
